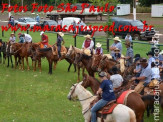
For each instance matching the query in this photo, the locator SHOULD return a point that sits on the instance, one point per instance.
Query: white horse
(121, 113)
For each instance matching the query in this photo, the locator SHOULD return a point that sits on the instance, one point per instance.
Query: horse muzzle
(69, 97)
(99, 70)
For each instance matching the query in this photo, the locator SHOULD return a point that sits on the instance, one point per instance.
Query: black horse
(2, 51)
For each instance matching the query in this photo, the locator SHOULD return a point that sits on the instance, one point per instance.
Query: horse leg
(4, 58)
(55, 63)
(11, 61)
(16, 62)
(83, 69)
(27, 63)
(0, 58)
(39, 64)
(22, 63)
(50, 67)
(69, 67)
(8, 61)
(74, 67)
(78, 74)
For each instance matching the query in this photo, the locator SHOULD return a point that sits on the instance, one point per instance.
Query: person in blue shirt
(21, 38)
(38, 18)
(151, 58)
(106, 89)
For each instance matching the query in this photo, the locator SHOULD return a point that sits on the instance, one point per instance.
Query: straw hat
(59, 18)
(117, 49)
(98, 45)
(12, 34)
(87, 52)
(102, 74)
(42, 32)
(161, 52)
(117, 39)
(88, 36)
(61, 34)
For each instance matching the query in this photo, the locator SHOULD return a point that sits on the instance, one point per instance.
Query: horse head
(96, 61)
(72, 94)
(102, 64)
(70, 52)
(33, 49)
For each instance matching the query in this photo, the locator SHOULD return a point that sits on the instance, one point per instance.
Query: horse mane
(44, 49)
(86, 57)
(113, 60)
(77, 50)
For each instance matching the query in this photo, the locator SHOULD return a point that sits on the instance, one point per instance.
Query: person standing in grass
(38, 18)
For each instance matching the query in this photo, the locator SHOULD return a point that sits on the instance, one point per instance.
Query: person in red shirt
(44, 40)
(98, 50)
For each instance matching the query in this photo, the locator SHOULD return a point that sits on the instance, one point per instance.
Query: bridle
(78, 99)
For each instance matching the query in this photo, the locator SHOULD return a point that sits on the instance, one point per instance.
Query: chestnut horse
(134, 100)
(71, 55)
(21, 50)
(107, 64)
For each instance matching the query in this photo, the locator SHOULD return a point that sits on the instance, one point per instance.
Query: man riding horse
(44, 41)
(88, 43)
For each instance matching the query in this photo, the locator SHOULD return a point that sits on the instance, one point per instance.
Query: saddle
(107, 109)
(55, 50)
(42, 46)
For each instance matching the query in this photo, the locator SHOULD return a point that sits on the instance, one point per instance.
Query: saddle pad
(110, 109)
(123, 97)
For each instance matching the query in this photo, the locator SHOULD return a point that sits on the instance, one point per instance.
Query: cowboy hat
(143, 60)
(102, 74)
(12, 34)
(59, 18)
(88, 36)
(42, 32)
(87, 52)
(98, 45)
(117, 49)
(117, 39)
(61, 34)
(161, 52)
(19, 33)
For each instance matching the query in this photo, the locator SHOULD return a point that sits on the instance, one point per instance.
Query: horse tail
(132, 116)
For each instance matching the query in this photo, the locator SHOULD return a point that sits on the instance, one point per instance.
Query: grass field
(27, 96)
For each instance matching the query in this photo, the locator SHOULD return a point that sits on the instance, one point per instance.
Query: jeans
(101, 103)
(59, 50)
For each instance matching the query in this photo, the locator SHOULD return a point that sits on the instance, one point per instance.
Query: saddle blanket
(122, 99)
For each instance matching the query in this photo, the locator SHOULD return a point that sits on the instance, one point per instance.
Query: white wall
(124, 9)
(157, 10)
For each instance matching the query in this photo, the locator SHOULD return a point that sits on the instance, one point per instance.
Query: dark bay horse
(134, 100)
(72, 51)
(2, 51)
(86, 61)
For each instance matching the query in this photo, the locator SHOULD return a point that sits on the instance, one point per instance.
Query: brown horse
(107, 64)
(71, 55)
(134, 100)
(86, 61)
(19, 50)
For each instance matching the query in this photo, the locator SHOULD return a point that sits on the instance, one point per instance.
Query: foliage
(149, 2)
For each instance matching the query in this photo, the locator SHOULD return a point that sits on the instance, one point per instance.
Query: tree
(102, 3)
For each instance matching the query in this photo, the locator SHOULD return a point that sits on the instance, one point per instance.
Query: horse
(86, 61)
(134, 100)
(2, 51)
(8, 54)
(85, 98)
(71, 55)
(20, 50)
(107, 64)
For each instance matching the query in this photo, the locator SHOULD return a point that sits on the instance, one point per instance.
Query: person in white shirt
(155, 72)
(88, 43)
(128, 37)
(27, 37)
(151, 59)
(60, 21)
(12, 38)
(116, 78)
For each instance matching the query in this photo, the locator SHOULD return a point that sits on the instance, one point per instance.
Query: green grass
(27, 96)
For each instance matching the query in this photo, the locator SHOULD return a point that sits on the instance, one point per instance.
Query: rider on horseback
(145, 77)
(106, 89)
(44, 41)
(12, 38)
(58, 43)
(88, 43)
